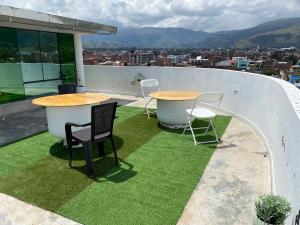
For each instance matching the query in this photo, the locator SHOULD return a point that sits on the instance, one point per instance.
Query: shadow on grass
(200, 136)
(104, 167)
(57, 150)
(106, 170)
(117, 174)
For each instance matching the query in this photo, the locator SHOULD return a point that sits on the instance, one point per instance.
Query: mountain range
(278, 33)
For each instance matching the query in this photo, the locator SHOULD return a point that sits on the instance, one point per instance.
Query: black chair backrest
(103, 117)
(66, 89)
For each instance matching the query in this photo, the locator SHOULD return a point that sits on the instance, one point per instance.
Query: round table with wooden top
(172, 105)
(75, 108)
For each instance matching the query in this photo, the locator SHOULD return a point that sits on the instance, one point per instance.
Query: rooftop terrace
(163, 178)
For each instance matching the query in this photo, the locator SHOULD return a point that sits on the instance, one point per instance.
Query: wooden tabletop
(174, 95)
(70, 99)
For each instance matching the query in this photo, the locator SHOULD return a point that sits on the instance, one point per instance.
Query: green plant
(272, 209)
(137, 79)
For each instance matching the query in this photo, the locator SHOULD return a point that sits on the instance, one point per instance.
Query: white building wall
(270, 105)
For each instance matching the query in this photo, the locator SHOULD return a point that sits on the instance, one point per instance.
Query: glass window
(34, 62)
(49, 54)
(67, 58)
(30, 55)
(42, 88)
(11, 80)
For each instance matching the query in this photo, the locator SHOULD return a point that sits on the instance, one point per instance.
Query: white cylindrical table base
(57, 117)
(173, 114)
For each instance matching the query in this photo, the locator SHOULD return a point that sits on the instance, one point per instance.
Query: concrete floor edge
(238, 172)
(262, 137)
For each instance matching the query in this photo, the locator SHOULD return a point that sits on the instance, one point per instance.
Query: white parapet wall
(270, 105)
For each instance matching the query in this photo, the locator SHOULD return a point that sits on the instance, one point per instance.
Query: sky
(206, 15)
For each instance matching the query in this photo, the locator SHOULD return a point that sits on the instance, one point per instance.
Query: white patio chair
(148, 86)
(205, 107)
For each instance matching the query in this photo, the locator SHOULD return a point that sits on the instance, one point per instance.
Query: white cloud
(208, 15)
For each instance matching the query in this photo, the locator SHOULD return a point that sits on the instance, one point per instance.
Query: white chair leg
(146, 107)
(190, 124)
(147, 112)
(213, 127)
(207, 128)
(184, 128)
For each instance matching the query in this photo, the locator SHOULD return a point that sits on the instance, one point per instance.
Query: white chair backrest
(210, 99)
(149, 85)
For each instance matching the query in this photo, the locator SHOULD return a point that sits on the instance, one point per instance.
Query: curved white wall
(272, 106)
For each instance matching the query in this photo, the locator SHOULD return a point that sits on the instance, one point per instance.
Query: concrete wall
(270, 105)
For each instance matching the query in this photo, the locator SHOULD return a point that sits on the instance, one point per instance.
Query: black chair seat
(85, 135)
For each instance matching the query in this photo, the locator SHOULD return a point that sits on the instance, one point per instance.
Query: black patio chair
(100, 129)
(67, 89)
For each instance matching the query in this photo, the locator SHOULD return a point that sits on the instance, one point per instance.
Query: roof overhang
(15, 17)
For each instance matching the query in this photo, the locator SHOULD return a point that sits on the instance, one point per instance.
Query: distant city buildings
(268, 61)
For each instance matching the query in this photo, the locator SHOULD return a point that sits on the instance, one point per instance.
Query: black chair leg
(69, 148)
(88, 158)
(114, 150)
(101, 148)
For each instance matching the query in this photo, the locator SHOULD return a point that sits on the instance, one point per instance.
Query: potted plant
(271, 209)
(136, 81)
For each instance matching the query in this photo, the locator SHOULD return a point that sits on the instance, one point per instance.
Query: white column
(79, 59)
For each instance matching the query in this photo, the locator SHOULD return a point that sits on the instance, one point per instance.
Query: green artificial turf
(123, 113)
(22, 153)
(152, 186)
(159, 170)
(48, 183)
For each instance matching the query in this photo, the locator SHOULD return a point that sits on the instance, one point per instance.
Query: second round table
(172, 105)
